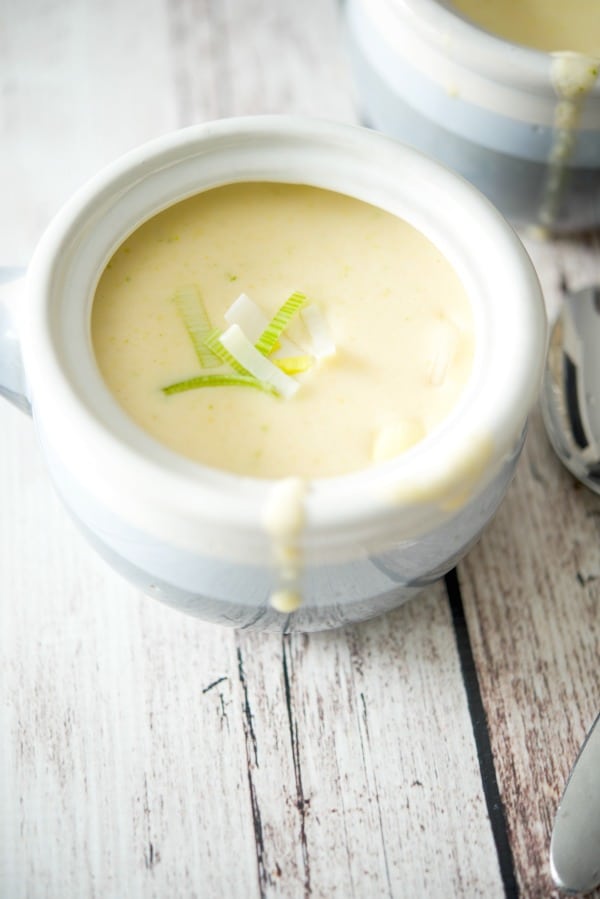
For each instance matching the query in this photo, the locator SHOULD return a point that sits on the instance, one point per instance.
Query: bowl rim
(184, 502)
(500, 60)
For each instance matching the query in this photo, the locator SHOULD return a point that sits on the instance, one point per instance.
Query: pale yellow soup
(397, 313)
(548, 25)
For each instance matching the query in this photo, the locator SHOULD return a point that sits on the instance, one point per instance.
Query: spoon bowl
(570, 398)
(570, 403)
(574, 861)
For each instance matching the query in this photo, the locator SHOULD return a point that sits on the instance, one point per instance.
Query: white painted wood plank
(82, 83)
(120, 775)
(248, 57)
(400, 800)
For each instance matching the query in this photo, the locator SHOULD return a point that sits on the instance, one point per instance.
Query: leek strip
(195, 318)
(249, 316)
(293, 365)
(316, 324)
(213, 342)
(254, 362)
(218, 380)
(253, 321)
(279, 323)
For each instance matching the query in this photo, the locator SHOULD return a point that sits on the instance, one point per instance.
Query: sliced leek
(248, 315)
(280, 321)
(253, 322)
(253, 361)
(213, 342)
(248, 342)
(195, 318)
(218, 380)
(293, 365)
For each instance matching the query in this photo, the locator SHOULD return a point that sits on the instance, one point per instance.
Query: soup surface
(395, 310)
(549, 25)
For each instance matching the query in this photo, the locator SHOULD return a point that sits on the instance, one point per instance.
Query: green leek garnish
(253, 321)
(213, 342)
(245, 345)
(219, 380)
(197, 324)
(280, 321)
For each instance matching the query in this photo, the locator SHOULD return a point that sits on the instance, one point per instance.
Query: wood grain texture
(366, 790)
(531, 590)
(146, 754)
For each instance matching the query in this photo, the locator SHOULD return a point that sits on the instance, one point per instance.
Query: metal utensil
(570, 404)
(575, 845)
(570, 399)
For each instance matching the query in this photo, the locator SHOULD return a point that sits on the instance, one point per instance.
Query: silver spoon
(570, 404)
(570, 400)
(575, 845)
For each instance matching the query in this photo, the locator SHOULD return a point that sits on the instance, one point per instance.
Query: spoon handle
(575, 845)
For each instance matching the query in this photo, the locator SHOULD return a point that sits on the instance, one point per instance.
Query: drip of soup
(397, 315)
(548, 25)
(571, 32)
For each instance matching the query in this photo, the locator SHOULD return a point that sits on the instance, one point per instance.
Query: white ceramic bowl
(193, 536)
(479, 104)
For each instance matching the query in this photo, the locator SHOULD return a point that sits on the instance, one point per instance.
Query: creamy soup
(374, 358)
(549, 25)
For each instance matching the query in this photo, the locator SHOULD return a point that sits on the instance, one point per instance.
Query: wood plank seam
(302, 802)
(264, 880)
(365, 723)
(489, 780)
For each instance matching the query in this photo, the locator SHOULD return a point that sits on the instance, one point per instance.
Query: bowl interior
(166, 491)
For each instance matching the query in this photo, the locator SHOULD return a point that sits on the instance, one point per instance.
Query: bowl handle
(13, 384)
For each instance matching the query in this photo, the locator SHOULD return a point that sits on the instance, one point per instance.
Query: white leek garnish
(252, 360)
(195, 318)
(316, 324)
(248, 343)
(248, 315)
(254, 322)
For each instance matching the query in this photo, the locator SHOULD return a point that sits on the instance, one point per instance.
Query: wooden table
(147, 754)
